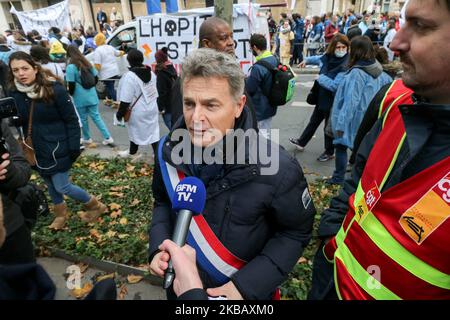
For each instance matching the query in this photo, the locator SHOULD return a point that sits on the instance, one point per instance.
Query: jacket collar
(423, 119)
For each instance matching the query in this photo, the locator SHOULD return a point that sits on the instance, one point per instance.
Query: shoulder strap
(30, 119)
(267, 65)
(135, 101)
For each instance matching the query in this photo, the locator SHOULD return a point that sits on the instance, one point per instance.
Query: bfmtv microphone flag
(188, 200)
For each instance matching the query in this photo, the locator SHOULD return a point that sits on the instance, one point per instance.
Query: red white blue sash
(212, 256)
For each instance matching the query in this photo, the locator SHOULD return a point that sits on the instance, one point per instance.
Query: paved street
(290, 119)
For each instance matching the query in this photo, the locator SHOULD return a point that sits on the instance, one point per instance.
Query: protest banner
(44, 18)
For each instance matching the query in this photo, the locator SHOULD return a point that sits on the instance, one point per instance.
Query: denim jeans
(314, 122)
(59, 185)
(92, 111)
(110, 91)
(341, 164)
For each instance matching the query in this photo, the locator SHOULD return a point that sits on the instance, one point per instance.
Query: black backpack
(87, 79)
(283, 84)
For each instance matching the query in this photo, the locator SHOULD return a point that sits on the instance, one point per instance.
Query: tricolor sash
(212, 256)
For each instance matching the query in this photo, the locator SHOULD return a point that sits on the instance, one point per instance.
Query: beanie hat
(57, 48)
(161, 55)
(100, 39)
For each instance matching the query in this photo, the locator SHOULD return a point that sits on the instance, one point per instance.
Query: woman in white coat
(137, 89)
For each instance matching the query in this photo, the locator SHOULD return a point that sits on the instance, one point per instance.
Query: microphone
(188, 200)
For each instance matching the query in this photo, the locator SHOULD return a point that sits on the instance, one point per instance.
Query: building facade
(84, 11)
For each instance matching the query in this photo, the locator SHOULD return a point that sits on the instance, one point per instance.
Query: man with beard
(387, 233)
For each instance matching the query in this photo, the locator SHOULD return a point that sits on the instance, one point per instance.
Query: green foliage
(120, 235)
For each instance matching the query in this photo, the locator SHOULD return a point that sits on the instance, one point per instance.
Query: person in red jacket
(332, 29)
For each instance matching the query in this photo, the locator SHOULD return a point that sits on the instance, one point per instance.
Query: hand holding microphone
(188, 200)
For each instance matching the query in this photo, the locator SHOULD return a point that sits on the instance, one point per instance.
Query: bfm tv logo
(184, 192)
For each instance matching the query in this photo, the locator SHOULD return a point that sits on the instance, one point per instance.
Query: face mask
(339, 53)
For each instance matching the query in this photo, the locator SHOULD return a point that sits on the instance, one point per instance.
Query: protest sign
(44, 18)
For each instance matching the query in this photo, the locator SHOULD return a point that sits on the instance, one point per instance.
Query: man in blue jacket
(259, 82)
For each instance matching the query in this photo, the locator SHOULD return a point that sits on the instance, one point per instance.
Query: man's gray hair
(209, 63)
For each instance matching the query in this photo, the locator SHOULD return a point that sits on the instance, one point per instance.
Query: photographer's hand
(3, 165)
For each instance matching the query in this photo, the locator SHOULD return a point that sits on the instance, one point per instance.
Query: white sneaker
(123, 154)
(88, 141)
(108, 142)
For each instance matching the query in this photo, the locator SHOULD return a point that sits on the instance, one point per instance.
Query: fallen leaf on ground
(114, 206)
(135, 202)
(106, 276)
(95, 233)
(80, 293)
(130, 168)
(122, 236)
(123, 221)
(133, 278)
(302, 260)
(116, 214)
(123, 292)
(111, 234)
(116, 194)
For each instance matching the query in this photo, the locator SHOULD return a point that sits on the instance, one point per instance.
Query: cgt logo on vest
(427, 214)
(185, 191)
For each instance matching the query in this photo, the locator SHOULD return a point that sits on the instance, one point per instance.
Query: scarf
(31, 90)
(285, 30)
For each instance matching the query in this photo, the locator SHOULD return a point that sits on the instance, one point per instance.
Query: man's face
(221, 40)
(424, 46)
(209, 109)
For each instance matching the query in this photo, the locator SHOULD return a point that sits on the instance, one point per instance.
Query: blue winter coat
(258, 86)
(357, 89)
(299, 29)
(55, 130)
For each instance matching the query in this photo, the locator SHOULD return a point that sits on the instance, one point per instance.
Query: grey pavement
(58, 269)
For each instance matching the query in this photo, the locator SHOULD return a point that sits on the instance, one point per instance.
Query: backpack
(283, 84)
(87, 79)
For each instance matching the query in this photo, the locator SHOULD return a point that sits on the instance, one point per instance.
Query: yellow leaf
(114, 206)
(118, 188)
(111, 234)
(302, 260)
(33, 177)
(116, 194)
(135, 203)
(82, 292)
(116, 214)
(95, 233)
(134, 279)
(123, 221)
(100, 167)
(324, 192)
(130, 168)
(123, 292)
(92, 145)
(122, 235)
(106, 276)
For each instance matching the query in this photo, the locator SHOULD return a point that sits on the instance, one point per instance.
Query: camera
(8, 108)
